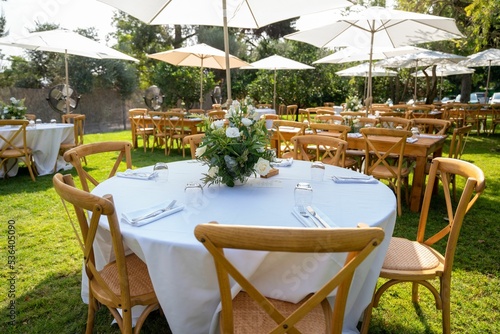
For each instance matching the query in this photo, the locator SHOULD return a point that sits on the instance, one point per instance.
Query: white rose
(200, 151)
(246, 121)
(262, 167)
(212, 172)
(232, 132)
(217, 124)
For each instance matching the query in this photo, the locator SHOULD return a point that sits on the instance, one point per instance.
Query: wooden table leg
(418, 184)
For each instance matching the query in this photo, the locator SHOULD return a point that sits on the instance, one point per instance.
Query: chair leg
(367, 316)
(91, 314)
(446, 308)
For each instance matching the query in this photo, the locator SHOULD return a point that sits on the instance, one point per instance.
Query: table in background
(44, 141)
(182, 271)
(264, 111)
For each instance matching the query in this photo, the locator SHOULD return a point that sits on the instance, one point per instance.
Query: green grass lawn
(47, 264)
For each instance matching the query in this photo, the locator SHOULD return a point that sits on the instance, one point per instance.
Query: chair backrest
(89, 209)
(175, 123)
(196, 111)
(432, 125)
(324, 111)
(159, 122)
(444, 169)
(291, 109)
(78, 121)
(216, 115)
(136, 117)
(328, 149)
(391, 122)
(362, 121)
(342, 130)
(458, 141)
(283, 135)
(193, 141)
(358, 242)
(264, 105)
(15, 141)
(30, 117)
(377, 156)
(75, 156)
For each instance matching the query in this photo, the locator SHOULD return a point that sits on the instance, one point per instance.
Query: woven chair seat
(404, 254)
(249, 318)
(139, 280)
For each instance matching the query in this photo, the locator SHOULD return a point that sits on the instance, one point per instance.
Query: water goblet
(317, 171)
(303, 194)
(161, 171)
(193, 193)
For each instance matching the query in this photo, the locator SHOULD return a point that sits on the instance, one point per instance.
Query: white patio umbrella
(276, 62)
(362, 71)
(199, 55)
(379, 27)
(67, 42)
(226, 13)
(425, 58)
(444, 70)
(352, 53)
(490, 57)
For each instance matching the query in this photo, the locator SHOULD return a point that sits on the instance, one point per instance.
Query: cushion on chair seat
(404, 254)
(249, 318)
(139, 280)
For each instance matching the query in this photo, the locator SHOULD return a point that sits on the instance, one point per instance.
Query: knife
(155, 213)
(318, 218)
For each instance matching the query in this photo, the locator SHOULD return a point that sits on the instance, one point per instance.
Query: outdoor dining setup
(252, 213)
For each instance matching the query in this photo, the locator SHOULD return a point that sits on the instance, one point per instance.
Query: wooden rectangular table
(420, 150)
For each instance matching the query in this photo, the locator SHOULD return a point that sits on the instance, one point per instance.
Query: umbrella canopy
(490, 57)
(425, 58)
(199, 55)
(225, 13)
(352, 53)
(362, 71)
(67, 42)
(378, 26)
(276, 62)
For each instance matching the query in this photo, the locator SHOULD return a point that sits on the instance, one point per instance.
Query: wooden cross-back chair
(14, 146)
(327, 149)
(495, 118)
(75, 155)
(78, 121)
(313, 314)
(193, 141)
(457, 147)
(326, 118)
(379, 161)
(214, 115)
(122, 283)
(432, 125)
(417, 261)
(291, 111)
(139, 128)
(161, 132)
(283, 131)
(390, 122)
(349, 161)
(176, 131)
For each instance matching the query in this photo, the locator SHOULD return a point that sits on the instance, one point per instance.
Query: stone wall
(105, 109)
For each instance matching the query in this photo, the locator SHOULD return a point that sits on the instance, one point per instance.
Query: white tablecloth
(44, 140)
(264, 111)
(181, 269)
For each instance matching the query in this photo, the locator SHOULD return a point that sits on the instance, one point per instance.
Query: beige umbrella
(490, 57)
(199, 55)
(226, 13)
(276, 62)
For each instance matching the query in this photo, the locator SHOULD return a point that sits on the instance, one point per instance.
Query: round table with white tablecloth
(181, 269)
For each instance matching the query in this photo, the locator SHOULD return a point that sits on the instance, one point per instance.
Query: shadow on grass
(56, 303)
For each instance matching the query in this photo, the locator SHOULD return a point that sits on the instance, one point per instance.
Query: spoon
(306, 215)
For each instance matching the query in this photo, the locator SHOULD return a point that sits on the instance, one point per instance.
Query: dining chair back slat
(329, 150)
(313, 314)
(14, 146)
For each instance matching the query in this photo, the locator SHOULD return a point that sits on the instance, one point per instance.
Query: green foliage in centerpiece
(235, 148)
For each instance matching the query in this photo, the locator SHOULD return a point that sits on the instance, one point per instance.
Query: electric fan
(153, 98)
(63, 99)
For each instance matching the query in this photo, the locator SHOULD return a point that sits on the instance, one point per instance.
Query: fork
(304, 214)
(155, 213)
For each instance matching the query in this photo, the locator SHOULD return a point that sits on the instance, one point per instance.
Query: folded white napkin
(282, 162)
(127, 217)
(354, 179)
(411, 140)
(355, 135)
(309, 220)
(428, 135)
(130, 174)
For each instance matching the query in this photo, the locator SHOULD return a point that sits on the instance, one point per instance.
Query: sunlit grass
(48, 259)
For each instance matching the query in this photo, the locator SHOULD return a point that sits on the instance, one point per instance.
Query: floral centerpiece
(353, 103)
(235, 148)
(14, 110)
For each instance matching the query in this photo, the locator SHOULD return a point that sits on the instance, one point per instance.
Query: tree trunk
(466, 88)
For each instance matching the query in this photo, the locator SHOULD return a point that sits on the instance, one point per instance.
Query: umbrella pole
(274, 92)
(487, 83)
(415, 89)
(369, 86)
(226, 50)
(201, 84)
(67, 81)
